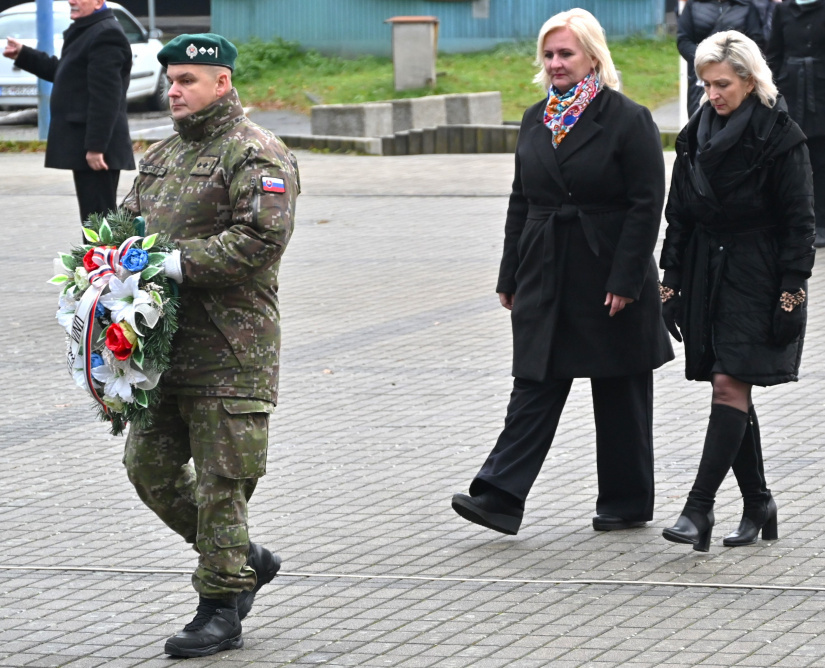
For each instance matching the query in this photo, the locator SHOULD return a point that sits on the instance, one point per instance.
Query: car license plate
(18, 91)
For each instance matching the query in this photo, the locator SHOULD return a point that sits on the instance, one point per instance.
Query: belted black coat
(740, 231)
(796, 54)
(88, 102)
(582, 221)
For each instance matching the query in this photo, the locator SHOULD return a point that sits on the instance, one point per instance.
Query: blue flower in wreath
(135, 260)
(100, 311)
(97, 360)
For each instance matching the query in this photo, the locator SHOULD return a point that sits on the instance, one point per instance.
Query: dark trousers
(623, 411)
(96, 191)
(816, 148)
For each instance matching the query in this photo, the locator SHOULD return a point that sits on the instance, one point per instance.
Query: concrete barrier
(474, 108)
(372, 119)
(419, 112)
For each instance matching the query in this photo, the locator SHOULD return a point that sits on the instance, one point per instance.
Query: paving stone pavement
(395, 378)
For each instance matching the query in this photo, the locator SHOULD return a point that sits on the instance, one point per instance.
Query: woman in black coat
(736, 256)
(702, 18)
(796, 54)
(579, 276)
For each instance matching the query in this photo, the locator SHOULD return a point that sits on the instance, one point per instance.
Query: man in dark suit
(89, 131)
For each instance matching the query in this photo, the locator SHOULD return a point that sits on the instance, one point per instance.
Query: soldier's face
(194, 87)
(80, 8)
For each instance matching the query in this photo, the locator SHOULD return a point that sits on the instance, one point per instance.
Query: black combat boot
(216, 627)
(266, 565)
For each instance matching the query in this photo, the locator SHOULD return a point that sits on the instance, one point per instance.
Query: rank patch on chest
(204, 166)
(270, 184)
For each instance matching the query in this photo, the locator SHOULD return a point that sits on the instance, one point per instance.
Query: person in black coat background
(796, 55)
(701, 18)
(579, 277)
(736, 257)
(89, 130)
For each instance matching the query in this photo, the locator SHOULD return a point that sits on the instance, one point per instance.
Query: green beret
(202, 49)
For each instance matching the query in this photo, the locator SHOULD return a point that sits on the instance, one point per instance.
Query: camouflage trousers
(204, 500)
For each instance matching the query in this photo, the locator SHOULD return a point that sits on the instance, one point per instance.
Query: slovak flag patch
(270, 184)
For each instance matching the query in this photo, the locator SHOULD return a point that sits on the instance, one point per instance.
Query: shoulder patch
(271, 184)
(204, 166)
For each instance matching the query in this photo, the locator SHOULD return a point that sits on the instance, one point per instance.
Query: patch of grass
(279, 75)
(21, 146)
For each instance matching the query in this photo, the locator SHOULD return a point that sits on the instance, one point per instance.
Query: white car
(19, 88)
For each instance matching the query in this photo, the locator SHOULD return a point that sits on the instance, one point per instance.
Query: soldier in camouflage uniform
(224, 191)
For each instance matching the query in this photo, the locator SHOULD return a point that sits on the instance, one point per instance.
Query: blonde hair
(744, 57)
(590, 34)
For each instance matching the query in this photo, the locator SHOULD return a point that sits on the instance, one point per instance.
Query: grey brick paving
(394, 384)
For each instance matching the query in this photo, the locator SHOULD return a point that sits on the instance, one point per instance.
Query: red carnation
(88, 265)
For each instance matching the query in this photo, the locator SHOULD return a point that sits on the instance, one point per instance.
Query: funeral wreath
(119, 311)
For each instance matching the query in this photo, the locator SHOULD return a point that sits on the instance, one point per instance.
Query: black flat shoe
(214, 629)
(749, 528)
(490, 511)
(687, 532)
(613, 523)
(266, 566)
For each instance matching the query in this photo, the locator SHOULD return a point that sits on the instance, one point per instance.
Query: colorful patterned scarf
(564, 109)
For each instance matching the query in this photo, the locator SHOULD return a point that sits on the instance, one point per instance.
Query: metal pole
(45, 42)
(151, 14)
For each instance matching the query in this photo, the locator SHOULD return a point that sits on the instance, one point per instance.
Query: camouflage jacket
(224, 190)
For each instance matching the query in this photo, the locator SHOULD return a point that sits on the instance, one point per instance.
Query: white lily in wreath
(66, 307)
(125, 299)
(118, 378)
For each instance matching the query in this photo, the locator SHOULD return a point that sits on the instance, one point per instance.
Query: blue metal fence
(357, 26)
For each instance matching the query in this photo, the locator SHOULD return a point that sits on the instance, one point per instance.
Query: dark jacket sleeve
(775, 49)
(513, 226)
(39, 63)
(108, 55)
(791, 182)
(679, 230)
(643, 165)
(753, 27)
(686, 34)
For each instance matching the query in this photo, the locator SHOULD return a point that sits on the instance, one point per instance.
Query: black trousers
(623, 411)
(96, 191)
(816, 148)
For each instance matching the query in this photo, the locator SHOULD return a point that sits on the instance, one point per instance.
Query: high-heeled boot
(759, 506)
(726, 428)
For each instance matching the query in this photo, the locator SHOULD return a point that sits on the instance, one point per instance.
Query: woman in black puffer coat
(702, 18)
(736, 257)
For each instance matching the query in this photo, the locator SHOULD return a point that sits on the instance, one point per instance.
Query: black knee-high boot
(726, 428)
(759, 507)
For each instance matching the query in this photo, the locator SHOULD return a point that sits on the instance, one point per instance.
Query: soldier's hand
(96, 161)
(12, 49)
(506, 299)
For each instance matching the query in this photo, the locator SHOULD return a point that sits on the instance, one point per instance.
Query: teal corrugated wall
(357, 26)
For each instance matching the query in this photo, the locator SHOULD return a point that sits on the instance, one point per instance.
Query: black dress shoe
(215, 628)
(613, 523)
(490, 510)
(752, 523)
(692, 528)
(266, 565)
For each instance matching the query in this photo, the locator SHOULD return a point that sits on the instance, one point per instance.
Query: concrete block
(416, 142)
(442, 144)
(419, 112)
(388, 145)
(428, 140)
(352, 120)
(469, 139)
(402, 143)
(474, 108)
(414, 51)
